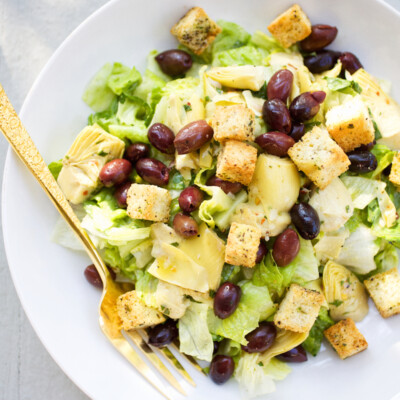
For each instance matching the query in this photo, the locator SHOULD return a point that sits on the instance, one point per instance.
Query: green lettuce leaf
(150, 90)
(313, 342)
(262, 40)
(55, 168)
(384, 156)
(231, 37)
(244, 55)
(343, 86)
(223, 219)
(194, 336)
(124, 80)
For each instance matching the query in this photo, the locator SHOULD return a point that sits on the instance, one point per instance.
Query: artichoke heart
(344, 293)
(240, 77)
(91, 150)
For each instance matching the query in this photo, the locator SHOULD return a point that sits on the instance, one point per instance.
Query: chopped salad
(248, 186)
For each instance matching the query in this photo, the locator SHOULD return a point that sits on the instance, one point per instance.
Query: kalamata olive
(366, 147)
(296, 355)
(261, 338)
(286, 247)
(298, 131)
(162, 138)
(115, 172)
(306, 220)
(275, 143)
(322, 61)
(227, 187)
(93, 277)
(387, 170)
(350, 62)
(221, 369)
(362, 161)
(174, 62)
(226, 300)
(306, 105)
(153, 171)
(163, 334)
(280, 85)
(261, 252)
(185, 225)
(276, 115)
(320, 37)
(136, 151)
(190, 199)
(216, 347)
(192, 136)
(121, 193)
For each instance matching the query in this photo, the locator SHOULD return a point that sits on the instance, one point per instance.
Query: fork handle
(22, 143)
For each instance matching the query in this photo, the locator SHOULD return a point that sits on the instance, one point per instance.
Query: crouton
(299, 309)
(236, 162)
(148, 202)
(394, 176)
(233, 122)
(196, 30)
(319, 157)
(345, 338)
(135, 314)
(242, 245)
(291, 26)
(384, 289)
(350, 125)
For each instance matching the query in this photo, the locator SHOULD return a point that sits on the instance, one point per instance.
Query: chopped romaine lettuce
(343, 85)
(231, 37)
(124, 80)
(384, 156)
(55, 168)
(244, 55)
(260, 39)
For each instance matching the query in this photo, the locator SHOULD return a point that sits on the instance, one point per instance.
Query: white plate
(60, 304)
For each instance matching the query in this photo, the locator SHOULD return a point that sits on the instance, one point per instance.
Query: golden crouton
(345, 338)
(148, 202)
(291, 26)
(350, 125)
(196, 30)
(236, 162)
(384, 289)
(233, 122)
(242, 245)
(299, 309)
(394, 176)
(135, 314)
(319, 157)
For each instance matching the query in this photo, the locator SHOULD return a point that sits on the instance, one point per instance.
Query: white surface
(29, 31)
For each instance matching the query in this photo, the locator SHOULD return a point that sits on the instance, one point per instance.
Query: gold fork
(21, 142)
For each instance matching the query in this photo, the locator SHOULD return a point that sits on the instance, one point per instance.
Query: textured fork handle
(23, 145)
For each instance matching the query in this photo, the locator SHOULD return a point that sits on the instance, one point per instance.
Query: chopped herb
(350, 126)
(102, 153)
(260, 364)
(207, 99)
(212, 293)
(378, 134)
(347, 208)
(187, 107)
(165, 310)
(336, 303)
(187, 296)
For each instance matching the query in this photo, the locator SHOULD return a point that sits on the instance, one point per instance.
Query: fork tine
(188, 358)
(169, 356)
(125, 348)
(152, 357)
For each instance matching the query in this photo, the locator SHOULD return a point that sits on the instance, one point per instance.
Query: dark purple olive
(306, 220)
(362, 162)
(298, 131)
(162, 335)
(174, 62)
(93, 277)
(216, 347)
(136, 151)
(226, 300)
(387, 170)
(190, 199)
(322, 61)
(221, 369)
(366, 147)
(286, 247)
(276, 115)
(162, 138)
(227, 187)
(350, 62)
(115, 172)
(185, 225)
(261, 252)
(280, 85)
(121, 193)
(320, 37)
(192, 136)
(306, 105)
(296, 355)
(261, 338)
(153, 171)
(275, 143)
